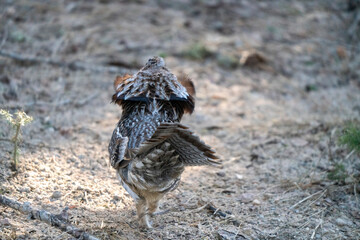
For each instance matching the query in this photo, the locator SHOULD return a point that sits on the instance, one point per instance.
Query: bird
(149, 147)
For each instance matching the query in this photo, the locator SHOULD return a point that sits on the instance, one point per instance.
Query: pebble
(220, 174)
(227, 235)
(25, 189)
(56, 195)
(239, 176)
(4, 222)
(116, 198)
(256, 202)
(266, 196)
(298, 142)
(342, 222)
(246, 197)
(349, 180)
(247, 230)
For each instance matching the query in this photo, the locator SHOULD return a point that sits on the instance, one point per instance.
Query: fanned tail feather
(192, 151)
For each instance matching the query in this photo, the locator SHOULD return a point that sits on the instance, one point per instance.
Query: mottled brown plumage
(149, 147)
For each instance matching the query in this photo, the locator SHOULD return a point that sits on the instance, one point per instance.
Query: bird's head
(155, 62)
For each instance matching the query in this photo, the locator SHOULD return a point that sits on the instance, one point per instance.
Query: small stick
(200, 208)
(161, 212)
(86, 100)
(16, 146)
(314, 232)
(352, 29)
(86, 198)
(3, 41)
(349, 155)
(322, 194)
(308, 197)
(217, 212)
(329, 150)
(71, 65)
(46, 217)
(307, 222)
(356, 197)
(40, 145)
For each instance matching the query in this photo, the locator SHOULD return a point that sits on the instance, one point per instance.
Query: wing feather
(191, 149)
(117, 150)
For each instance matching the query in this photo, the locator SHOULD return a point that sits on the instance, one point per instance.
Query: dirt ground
(273, 116)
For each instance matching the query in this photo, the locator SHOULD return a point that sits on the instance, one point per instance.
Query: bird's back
(140, 121)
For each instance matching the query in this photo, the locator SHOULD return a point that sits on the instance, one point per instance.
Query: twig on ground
(322, 194)
(40, 145)
(310, 184)
(316, 228)
(354, 26)
(200, 208)
(330, 156)
(191, 198)
(46, 217)
(225, 234)
(162, 212)
(86, 198)
(71, 65)
(303, 200)
(356, 196)
(217, 212)
(86, 100)
(309, 217)
(350, 154)
(3, 41)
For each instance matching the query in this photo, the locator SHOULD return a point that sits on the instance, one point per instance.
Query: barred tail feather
(191, 150)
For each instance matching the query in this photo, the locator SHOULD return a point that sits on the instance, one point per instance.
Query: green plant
(311, 88)
(351, 138)
(163, 55)
(338, 174)
(18, 36)
(198, 52)
(227, 61)
(17, 122)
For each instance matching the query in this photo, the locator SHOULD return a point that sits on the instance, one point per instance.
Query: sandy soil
(274, 121)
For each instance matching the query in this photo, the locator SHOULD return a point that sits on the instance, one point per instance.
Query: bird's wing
(192, 151)
(117, 150)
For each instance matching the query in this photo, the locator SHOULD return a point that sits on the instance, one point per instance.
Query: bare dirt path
(269, 116)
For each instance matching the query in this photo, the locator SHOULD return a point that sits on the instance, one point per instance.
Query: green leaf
(351, 137)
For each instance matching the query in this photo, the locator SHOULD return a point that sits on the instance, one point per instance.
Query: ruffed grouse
(149, 147)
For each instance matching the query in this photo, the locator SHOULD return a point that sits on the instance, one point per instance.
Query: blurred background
(277, 87)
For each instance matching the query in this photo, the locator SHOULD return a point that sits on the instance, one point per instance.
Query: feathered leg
(153, 206)
(142, 213)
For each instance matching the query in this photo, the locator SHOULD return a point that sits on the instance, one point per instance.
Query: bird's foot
(144, 222)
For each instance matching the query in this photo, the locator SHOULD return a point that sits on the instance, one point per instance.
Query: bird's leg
(153, 206)
(142, 214)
